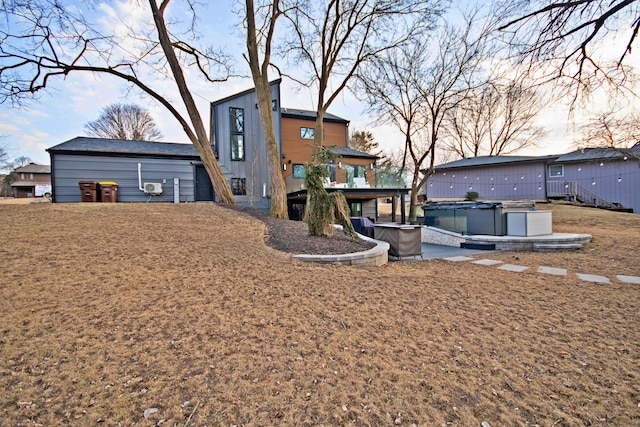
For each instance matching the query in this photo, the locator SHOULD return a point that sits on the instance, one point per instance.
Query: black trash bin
(89, 191)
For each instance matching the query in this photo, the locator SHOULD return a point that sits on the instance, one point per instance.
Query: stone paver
(513, 267)
(459, 258)
(629, 279)
(554, 271)
(487, 262)
(593, 278)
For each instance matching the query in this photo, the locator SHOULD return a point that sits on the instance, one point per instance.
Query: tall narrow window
(236, 116)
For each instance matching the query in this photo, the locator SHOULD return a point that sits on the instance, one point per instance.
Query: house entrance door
(204, 189)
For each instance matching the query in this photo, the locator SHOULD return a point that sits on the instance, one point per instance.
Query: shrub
(471, 195)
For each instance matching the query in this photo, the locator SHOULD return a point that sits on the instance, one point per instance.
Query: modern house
(604, 177)
(175, 173)
(238, 141)
(32, 180)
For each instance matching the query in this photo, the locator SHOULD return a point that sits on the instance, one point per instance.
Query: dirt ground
(175, 315)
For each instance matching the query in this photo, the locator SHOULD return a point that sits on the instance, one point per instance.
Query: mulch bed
(293, 236)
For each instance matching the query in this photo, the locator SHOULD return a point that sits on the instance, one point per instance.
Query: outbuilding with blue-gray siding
(131, 164)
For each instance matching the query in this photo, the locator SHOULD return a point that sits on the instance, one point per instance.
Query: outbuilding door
(204, 189)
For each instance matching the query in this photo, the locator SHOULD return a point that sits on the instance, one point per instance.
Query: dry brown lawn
(110, 312)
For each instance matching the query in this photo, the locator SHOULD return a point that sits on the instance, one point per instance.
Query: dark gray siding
(255, 166)
(519, 181)
(70, 169)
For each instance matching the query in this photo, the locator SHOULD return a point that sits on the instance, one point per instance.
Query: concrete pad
(512, 267)
(487, 262)
(629, 279)
(593, 278)
(554, 271)
(459, 258)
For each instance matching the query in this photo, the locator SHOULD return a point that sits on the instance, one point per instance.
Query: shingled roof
(492, 160)
(81, 145)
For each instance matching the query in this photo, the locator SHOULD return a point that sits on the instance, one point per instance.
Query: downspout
(140, 177)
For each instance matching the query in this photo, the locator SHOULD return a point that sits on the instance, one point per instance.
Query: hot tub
(487, 218)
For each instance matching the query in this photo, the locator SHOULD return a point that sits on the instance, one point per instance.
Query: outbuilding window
(556, 171)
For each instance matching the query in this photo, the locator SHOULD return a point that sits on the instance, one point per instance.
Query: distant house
(32, 180)
(603, 177)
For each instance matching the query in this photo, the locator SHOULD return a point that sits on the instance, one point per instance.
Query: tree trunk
(201, 141)
(277, 184)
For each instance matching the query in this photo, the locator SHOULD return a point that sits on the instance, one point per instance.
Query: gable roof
(492, 160)
(589, 154)
(243, 93)
(296, 113)
(88, 145)
(33, 168)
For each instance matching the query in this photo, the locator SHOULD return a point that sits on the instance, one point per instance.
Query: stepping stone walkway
(513, 267)
(459, 258)
(554, 271)
(487, 262)
(629, 279)
(593, 278)
(634, 280)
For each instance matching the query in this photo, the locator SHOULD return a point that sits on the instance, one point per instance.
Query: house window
(236, 116)
(238, 186)
(237, 147)
(556, 171)
(307, 133)
(274, 105)
(356, 208)
(298, 171)
(359, 171)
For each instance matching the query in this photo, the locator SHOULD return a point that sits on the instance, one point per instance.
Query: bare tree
(124, 121)
(49, 40)
(578, 37)
(260, 40)
(335, 39)
(415, 89)
(610, 129)
(497, 118)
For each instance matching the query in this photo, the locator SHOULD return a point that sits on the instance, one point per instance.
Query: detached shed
(175, 167)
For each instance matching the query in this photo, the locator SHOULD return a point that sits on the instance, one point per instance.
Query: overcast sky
(61, 111)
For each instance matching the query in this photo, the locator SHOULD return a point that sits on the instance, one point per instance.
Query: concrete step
(550, 247)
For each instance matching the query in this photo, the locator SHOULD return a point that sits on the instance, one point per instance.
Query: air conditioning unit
(153, 188)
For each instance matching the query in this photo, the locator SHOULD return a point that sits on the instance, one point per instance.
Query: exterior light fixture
(620, 178)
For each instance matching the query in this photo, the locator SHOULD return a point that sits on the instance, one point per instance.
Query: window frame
(560, 175)
(304, 135)
(239, 186)
(297, 167)
(236, 137)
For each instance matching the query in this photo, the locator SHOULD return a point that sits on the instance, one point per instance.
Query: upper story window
(298, 171)
(556, 171)
(359, 171)
(307, 133)
(236, 116)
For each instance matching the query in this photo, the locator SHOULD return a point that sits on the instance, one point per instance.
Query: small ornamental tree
(324, 209)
